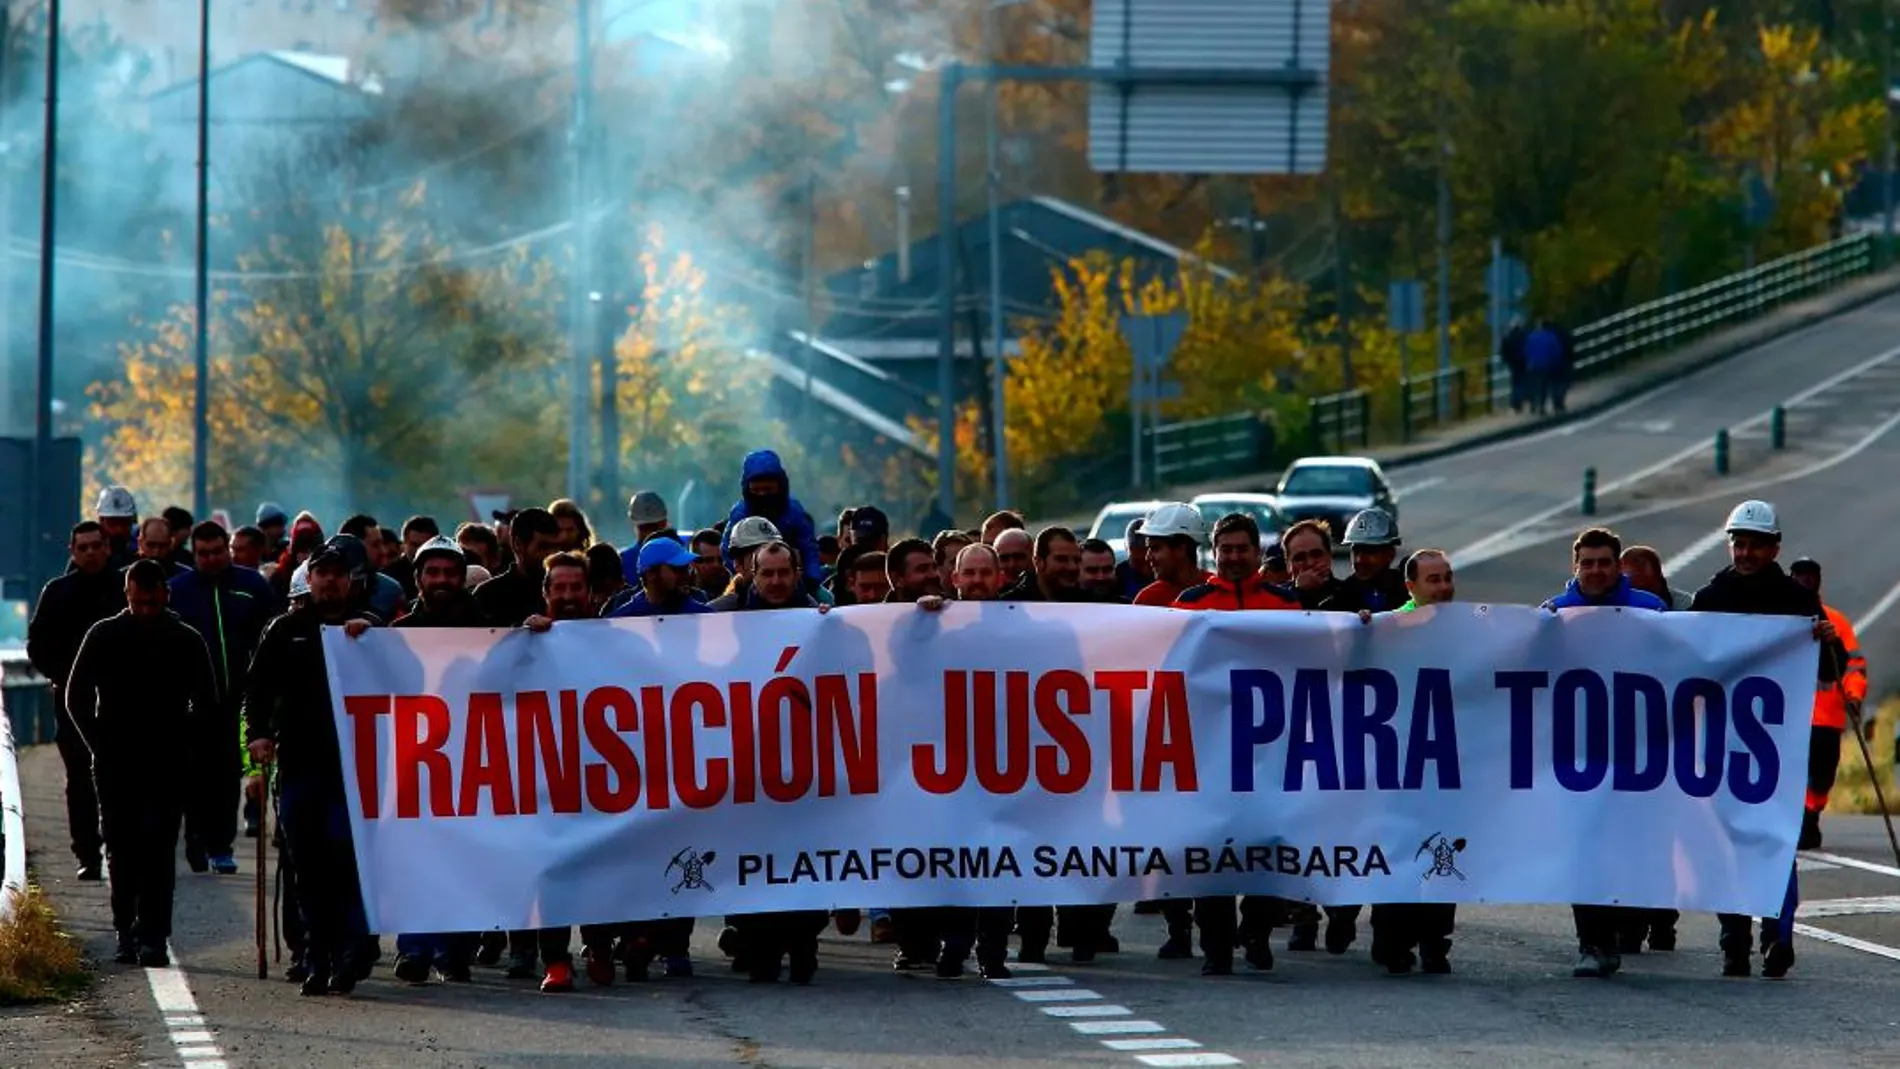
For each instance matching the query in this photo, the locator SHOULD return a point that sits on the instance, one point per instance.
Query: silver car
(1333, 490)
(1111, 524)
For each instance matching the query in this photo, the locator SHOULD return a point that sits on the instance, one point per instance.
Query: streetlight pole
(999, 441)
(201, 348)
(1444, 250)
(38, 565)
(578, 304)
(1887, 161)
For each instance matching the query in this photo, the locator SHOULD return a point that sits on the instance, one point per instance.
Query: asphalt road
(1507, 514)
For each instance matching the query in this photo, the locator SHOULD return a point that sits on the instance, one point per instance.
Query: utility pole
(38, 566)
(999, 442)
(811, 284)
(579, 139)
(201, 343)
(953, 74)
(6, 228)
(1444, 245)
(1886, 111)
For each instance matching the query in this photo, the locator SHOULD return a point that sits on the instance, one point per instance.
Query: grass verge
(1853, 788)
(38, 962)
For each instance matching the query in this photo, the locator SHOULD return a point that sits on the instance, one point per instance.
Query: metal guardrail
(1424, 398)
(12, 818)
(1338, 422)
(1197, 448)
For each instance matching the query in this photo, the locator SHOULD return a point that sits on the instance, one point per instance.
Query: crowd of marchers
(188, 669)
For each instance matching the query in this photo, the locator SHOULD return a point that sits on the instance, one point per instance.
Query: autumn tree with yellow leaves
(355, 358)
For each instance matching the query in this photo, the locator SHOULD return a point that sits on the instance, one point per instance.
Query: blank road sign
(1216, 125)
(1153, 339)
(1405, 307)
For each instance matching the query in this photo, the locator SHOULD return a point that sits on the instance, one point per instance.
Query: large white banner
(1052, 754)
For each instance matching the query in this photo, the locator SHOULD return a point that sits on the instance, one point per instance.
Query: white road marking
(1498, 545)
(1169, 1061)
(1808, 864)
(1848, 941)
(1856, 863)
(1511, 537)
(1873, 615)
(1157, 1043)
(1116, 1028)
(1087, 1011)
(1404, 492)
(190, 1038)
(1033, 981)
(1693, 552)
(1872, 906)
(1057, 994)
(1028, 966)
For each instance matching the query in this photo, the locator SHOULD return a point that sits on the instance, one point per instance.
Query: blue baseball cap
(662, 550)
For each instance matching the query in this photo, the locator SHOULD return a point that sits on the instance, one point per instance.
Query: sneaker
(455, 974)
(411, 969)
(1591, 966)
(127, 952)
(344, 981)
(224, 865)
(1810, 831)
(1179, 947)
(315, 985)
(559, 979)
(1260, 955)
(1340, 935)
(993, 970)
(1779, 959)
(488, 954)
(600, 966)
(679, 968)
(91, 871)
(802, 966)
(883, 931)
(904, 962)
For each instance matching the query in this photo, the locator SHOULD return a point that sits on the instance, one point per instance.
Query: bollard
(1589, 491)
(1721, 451)
(1778, 428)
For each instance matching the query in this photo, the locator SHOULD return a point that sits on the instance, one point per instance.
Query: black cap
(869, 525)
(349, 550)
(1805, 566)
(505, 515)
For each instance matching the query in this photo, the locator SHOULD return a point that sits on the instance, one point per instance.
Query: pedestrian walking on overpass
(140, 684)
(1755, 584)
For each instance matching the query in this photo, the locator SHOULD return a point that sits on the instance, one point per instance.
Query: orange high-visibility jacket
(1830, 701)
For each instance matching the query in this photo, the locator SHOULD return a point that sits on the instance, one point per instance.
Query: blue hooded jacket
(1622, 595)
(230, 613)
(793, 522)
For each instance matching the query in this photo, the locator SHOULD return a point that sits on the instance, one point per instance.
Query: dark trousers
(82, 797)
(1824, 762)
(447, 950)
(1073, 926)
(919, 938)
(141, 842)
(289, 909)
(960, 929)
(1738, 929)
(1221, 932)
(316, 825)
(553, 944)
(1596, 927)
(642, 941)
(1307, 918)
(217, 784)
(1399, 928)
(767, 939)
(1639, 924)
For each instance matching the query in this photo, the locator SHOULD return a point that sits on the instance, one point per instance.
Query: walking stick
(1867, 755)
(263, 843)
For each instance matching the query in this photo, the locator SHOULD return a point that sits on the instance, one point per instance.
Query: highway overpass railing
(1605, 345)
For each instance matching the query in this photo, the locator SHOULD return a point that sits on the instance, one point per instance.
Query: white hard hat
(440, 546)
(300, 581)
(1176, 519)
(752, 532)
(116, 503)
(1372, 527)
(1754, 516)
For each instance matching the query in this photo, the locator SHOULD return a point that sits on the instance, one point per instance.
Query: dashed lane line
(1870, 906)
(1848, 941)
(1114, 1027)
(1693, 552)
(192, 1040)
